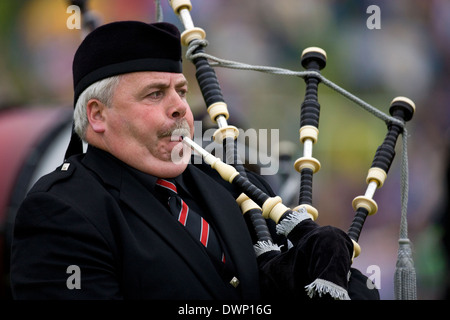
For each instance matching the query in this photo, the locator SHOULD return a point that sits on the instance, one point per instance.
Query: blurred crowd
(409, 55)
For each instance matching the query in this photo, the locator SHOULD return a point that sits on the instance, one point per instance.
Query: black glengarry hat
(123, 47)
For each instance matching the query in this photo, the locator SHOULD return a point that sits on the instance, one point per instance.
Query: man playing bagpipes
(136, 225)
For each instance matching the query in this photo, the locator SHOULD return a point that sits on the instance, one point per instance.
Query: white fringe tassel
(320, 287)
(265, 246)
(286, 225)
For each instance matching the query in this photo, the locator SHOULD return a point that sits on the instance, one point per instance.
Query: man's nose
(178, 106)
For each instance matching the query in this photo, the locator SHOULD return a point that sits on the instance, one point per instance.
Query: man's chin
(171, 170)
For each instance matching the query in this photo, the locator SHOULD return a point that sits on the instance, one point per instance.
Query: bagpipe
(306, 269)
(318, 262)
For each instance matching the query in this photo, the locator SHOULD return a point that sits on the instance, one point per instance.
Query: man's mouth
(177, 132)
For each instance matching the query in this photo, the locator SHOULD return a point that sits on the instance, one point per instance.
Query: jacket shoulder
(61, 173)
(70, 170)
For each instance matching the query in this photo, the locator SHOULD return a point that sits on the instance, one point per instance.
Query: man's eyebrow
(163, 85)
(143, 91)
(181, 83)
(156, 85)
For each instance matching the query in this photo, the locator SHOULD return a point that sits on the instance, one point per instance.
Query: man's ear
(96, 115)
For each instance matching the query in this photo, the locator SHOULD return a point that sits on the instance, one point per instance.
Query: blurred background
(409, 55)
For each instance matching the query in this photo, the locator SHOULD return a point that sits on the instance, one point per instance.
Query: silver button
(234, 282)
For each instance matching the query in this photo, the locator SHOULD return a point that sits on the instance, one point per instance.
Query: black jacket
(94, 218)
(95, 215)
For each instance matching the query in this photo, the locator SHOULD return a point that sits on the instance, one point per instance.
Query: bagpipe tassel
(405, 274)
(321, 287)
(290, 222)
(261, 247)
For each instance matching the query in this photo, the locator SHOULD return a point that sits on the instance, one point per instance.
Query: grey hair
(102, 90)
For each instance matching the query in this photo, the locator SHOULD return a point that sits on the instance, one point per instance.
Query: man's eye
(155, 95)
(182, 92)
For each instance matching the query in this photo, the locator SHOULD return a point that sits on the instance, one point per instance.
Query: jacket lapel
(232, 228)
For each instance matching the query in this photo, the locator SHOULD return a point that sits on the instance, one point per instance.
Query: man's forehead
(145, 78)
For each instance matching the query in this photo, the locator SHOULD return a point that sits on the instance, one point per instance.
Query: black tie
(195, 224)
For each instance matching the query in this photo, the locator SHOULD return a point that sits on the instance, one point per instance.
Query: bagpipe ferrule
(307, 163)
(177, 5)
(356, 249)
(377, 174)
(315, 53)
(273, 208)
(182, 8)
(364, 202)
(308, 132)
(218, 109)
(226, 171)
(406, 105)
(246, 204)
(225, 132)
(192, 34)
